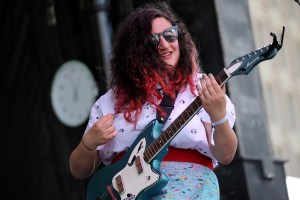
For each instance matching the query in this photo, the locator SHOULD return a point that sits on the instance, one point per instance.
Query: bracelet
(88, 148)
(214, 124)
(220, 121)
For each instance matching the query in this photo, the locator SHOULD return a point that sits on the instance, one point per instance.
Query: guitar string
(106, 193)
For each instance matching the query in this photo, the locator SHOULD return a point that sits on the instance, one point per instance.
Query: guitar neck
(166, 136)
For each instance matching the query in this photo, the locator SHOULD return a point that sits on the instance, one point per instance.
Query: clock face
(73, 93)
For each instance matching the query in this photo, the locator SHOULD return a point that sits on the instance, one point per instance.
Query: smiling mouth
(166, 54)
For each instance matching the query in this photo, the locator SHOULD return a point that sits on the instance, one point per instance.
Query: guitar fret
(189, 112)
(148, 152)
(198, 102)
(185, 115)
(172, 129)
(174, 124)
(160, 142)
(166, 136)
(192, 108)
(155, 145)
(146, 156)
(221, 77)
(180, 120)
(151, 151)
(169, 131)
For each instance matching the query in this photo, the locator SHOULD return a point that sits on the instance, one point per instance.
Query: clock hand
(75, 85)
(75, 96)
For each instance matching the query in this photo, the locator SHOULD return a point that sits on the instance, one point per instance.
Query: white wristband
(220, 121)
(214, 124)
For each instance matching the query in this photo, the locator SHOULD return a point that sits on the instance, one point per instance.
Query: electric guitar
(137, 174)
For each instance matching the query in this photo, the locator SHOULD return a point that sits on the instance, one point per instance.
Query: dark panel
(36, 146)
(260, 176)
(244, 179)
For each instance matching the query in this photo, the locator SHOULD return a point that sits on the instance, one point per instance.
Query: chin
(170, 66)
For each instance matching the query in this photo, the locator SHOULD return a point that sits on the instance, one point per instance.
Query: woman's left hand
(214, 102)
(212, 97)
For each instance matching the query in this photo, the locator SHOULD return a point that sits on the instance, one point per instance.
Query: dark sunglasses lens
(171, 34)
(155, 39)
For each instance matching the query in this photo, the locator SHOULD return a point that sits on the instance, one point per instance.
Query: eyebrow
(163, 30)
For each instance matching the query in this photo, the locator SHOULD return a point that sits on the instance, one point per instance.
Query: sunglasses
(169, 34)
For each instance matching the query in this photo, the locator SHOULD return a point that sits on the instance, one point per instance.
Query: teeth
(166, 54)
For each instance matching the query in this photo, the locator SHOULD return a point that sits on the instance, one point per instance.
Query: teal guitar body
(132, 177)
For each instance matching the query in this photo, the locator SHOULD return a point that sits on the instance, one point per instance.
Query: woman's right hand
(101, 132)
(84, 159)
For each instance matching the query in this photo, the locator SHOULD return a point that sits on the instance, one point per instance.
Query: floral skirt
(189, 181)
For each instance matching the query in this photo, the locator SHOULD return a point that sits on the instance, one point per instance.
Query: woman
(154, 55)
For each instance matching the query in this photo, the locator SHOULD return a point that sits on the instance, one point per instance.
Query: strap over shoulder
(167, 105)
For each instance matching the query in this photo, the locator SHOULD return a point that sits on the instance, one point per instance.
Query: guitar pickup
(119, 183)
(138, 165)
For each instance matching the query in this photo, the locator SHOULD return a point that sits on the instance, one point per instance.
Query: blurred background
(54, 57)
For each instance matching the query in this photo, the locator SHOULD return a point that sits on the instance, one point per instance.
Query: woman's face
(168, 51)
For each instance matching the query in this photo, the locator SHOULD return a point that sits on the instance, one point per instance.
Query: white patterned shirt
(192, 136)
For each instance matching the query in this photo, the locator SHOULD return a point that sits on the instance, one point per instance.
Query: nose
(163, 44)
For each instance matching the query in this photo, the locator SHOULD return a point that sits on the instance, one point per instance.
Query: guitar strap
(167, 105)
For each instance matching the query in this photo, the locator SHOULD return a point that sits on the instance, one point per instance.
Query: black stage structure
(38, 36)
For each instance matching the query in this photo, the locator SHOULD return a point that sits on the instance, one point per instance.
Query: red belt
(181, 155)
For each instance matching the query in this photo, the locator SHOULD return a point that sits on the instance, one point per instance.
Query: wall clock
(73, 93)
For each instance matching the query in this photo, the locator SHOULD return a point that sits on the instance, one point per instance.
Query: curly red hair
(136, 70)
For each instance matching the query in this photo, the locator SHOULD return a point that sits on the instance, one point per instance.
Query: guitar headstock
(244, 64)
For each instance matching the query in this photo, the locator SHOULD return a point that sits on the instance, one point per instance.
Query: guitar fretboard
(166, 136)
